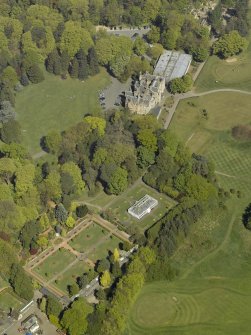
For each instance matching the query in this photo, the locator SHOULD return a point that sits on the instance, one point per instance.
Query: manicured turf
(104, 248)
(121, 204)
(55, 263)
(88, 237)
(3, 283)
(56, 104)
(213, 138)
(212, 293)
(9, 300)
(71, 275)
(219, 73)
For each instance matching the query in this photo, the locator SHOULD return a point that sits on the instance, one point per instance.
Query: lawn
(213, 138)
(104, 248)
(212, 292)
(55, 263)
(3, 283)
(56, 104)
(9, 300)
(88, 238)
(121, 204)
(234, 73)
(71, 275)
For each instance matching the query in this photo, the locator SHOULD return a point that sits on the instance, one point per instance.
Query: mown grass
(70, 276)
(213, 138)
(8, 300)
(211, 294)
(218, 73)
(127, 199)
(55, 263)
(106, 247)
(88, 238)
(56, 104)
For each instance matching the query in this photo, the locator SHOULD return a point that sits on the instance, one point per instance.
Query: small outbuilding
(143, 206)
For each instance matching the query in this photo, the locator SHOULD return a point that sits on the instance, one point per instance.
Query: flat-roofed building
(143, 206)
(172, 64)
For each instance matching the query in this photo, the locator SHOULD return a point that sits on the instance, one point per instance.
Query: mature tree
(7, 259)
(67, 184)
(29, 233)
(50, 189)
(116, 255)
(96, 123)
(35, 74)
(81, 211)
(11, 132)
(53, 62)
(61, 213)
(83, 69)
(20, 282)
(105, 279)
(230, 44)
(181, 85)
(74, 171)
(70, 222)
(9, 75)
(169, 142)
(139, 46)
(42, 241)
(147, 139)
(7, 112)
(24, 80)
(151, 9)
(74, 66)
(118, 181)
(74, 319)
(93, 61)
(246, 218)
(153, 35)
(52, 142)
(42, 304)
(53, 306)
(199, 188)
(44, 221)
(103, 265)
(74, 38)
(73, 289)
(116, 270)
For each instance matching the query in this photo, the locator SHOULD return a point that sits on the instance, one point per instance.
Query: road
(129, 32)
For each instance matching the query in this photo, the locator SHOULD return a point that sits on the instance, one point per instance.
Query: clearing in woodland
(56, 104)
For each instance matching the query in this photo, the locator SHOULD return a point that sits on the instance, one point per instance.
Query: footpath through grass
(56, 104)
(55, 263)
(213, 138)
(212, 292)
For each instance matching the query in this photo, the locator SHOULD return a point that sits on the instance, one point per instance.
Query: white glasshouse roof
(143, 206)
